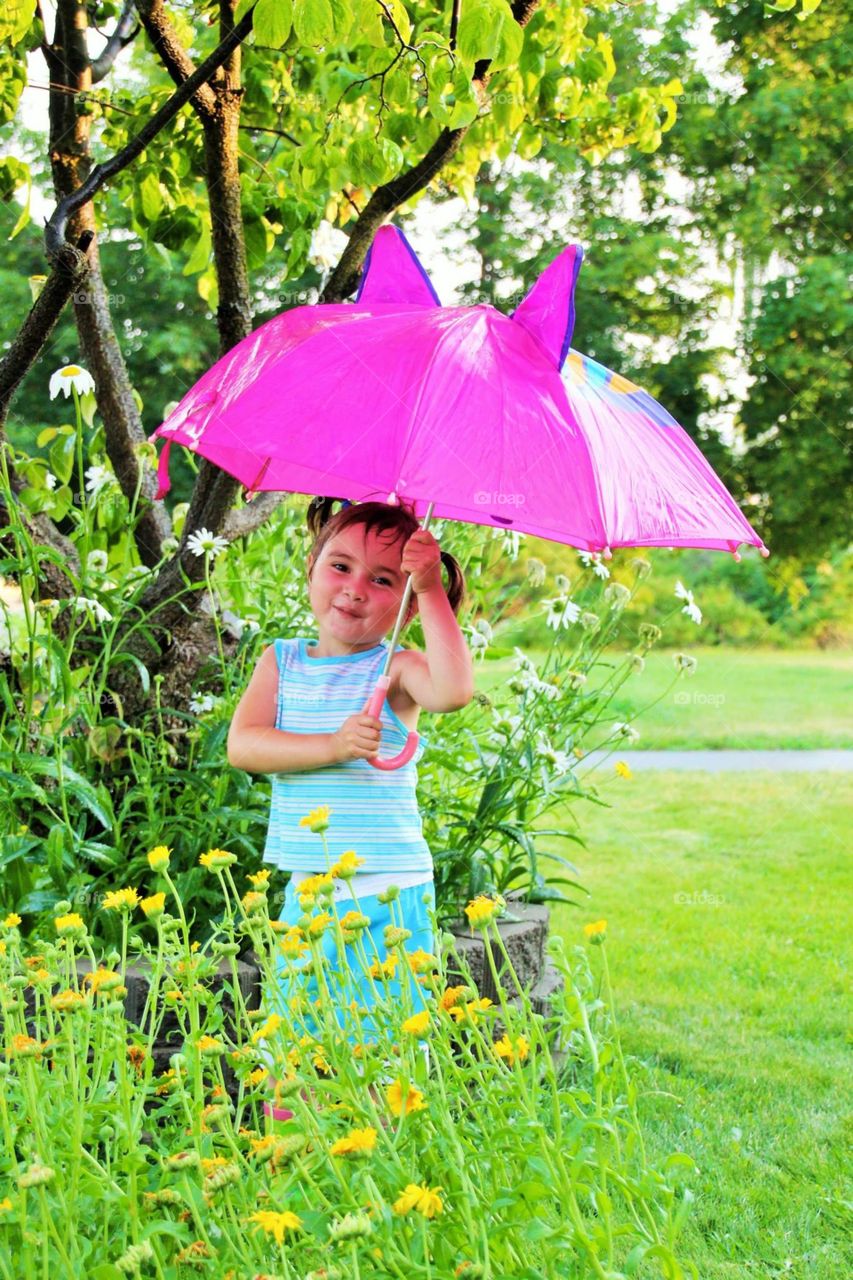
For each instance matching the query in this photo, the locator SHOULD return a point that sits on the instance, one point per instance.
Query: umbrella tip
(607, 553)
(765, 551)
(737, 557)
(392, 499)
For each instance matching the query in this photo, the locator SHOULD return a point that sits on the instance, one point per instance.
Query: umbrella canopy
(492, 418)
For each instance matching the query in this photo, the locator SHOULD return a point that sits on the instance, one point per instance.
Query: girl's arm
(254, 743)
(442, 679)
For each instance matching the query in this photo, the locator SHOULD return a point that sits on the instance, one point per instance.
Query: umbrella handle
(373, 708)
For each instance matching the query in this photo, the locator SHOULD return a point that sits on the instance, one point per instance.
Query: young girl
(301, 719)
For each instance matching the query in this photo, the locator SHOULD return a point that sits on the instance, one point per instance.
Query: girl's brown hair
(381, 518)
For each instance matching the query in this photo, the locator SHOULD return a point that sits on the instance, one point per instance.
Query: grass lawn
(737, 698)
(728, 903)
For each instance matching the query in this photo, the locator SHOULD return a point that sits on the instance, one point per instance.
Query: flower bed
(478, 1158)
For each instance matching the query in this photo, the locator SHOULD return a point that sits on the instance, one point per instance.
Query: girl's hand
(422, 559)
(358, 738)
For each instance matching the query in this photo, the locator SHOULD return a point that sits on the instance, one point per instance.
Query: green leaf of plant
(313, 21)
(273, 21)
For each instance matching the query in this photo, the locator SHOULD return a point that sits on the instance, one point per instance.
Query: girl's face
(355, 587)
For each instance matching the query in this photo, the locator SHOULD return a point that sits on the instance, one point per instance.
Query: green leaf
(313, 21)
(151, 196)
(401, 18)
(16, 17)
(273, 22)
(200, 256)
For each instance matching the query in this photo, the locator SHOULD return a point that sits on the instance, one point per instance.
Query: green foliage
(113, 1163)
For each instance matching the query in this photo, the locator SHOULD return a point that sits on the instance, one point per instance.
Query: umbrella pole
(404, 604)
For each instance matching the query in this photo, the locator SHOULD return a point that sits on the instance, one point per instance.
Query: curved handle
(374, 706)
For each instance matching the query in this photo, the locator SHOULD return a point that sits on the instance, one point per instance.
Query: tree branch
(388, 197)
(125, 33)
(101, 173)
(173, 55)
(238, 524)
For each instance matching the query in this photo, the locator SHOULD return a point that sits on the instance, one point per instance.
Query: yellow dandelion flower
(426, 1200)
(316, 886)
(293, 944)
(451, 997)
(346, 865)
(2, 948)
(69, 924)
(154, 906)
(319, 924)
(413, 1101)
(504, 1048)
(103, 980)
(469, 1011)
(67, 1001)
(12, 920)
(623, 770)
(482, 910)
(417, 1024)
(386, 968)
(209, 1044)
(216, 858)
(421, 961)
(6, 1205)
(253, 900)
(158, 859)
(269, 1028)
(356, 1143)
(317, 820)
(258, 1075)
(596, 931)
(259, 879)
(120, 900)
(354, 921)
(25, 1046)
(275, 1224)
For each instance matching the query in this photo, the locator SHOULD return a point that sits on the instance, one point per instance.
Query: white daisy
(477, 641)
(521, 662)
(691, 608)
(97, 561)
(562, 583)
(68, 377)
(536, 572)
(592, 560)
(562, 612)
(617, 595)
(484, 629)
(623, 730)
(92, 607)
(97, 478)
(204, 543)
(684, 662)
(206, 702)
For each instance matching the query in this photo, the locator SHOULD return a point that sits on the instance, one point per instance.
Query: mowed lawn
(736, 698)
(728, 902)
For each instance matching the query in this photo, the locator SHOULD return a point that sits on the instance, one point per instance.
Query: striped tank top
(372, 811)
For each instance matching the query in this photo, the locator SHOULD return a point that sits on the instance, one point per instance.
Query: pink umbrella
(465, 412)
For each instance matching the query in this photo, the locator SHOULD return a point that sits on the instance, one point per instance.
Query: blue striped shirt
(372, 811)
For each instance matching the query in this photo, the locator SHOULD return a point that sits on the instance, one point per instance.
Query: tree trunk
(70, 72)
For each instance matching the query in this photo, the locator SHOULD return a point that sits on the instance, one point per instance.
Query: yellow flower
(317, 819)
(209, 1044)
(380, 969)
(417, 1024)
(253, 900)
(158, 859)
(504, 1048)
(451, 997)
(153, 907)
(258, 1075)
(120, 900)
(319, 924)
(215, 858)
(103, 979)
(293, 944)
(67, 1001)
(482, 910)
(269, 1028)
(275, 1224)
(2, 948)
(459, 1013)
(316, 885)
(70, 924)
(25, 1046)
(259, 879)
(356, 1143)
(420, 961)
(346, 865)
(596, 931)
(5, 1205)
(425, 1199)
(12, 921)
(623, 770)
(414, 1100)
(354, 920)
